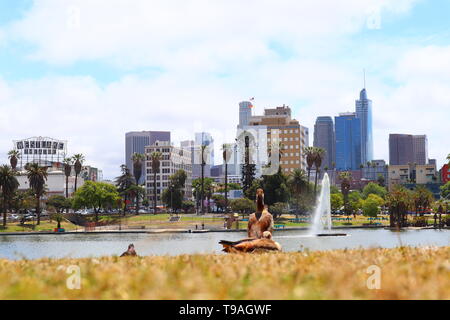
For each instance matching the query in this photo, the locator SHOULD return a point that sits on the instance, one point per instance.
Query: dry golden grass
(406, 273)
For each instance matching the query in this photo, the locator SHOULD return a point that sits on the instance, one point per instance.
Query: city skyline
(80, 77)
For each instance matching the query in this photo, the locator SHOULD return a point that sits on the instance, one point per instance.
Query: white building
(173, 159)
(55, 184)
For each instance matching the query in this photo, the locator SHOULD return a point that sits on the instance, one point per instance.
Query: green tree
(373, 188)
(95, 195)
(355, 201)
(219, 201)
(243, 205)
(138, 162)
(67, 162)
(124, 183)
(277, 209)
(399, 202)
(250, 193)
(155, 157)
(310, 153)
(8, 185)
(319, 154)
(381, 181)
(275, 188)
(207, 187)
(422, 199)
(337, 201)
(37, 176)
(298, 184)
(59, 203)
(58, 217)
(371, 206)
(173, 196)
(78, 160)
(187, 205)
(334, 189)
(14, 156)
(445, 191)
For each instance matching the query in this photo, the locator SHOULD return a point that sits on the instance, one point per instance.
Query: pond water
(95, 245)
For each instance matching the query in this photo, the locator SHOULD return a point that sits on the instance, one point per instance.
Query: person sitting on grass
(261, 220)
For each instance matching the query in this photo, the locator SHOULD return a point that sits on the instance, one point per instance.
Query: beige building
(281, 128)
(419, 174)
(173, 159)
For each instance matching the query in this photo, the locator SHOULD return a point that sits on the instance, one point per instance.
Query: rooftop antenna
(364, 71)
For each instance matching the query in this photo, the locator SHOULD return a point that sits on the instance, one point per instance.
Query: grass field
(406, 273)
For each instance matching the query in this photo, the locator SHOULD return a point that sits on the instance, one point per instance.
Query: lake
(95, 245)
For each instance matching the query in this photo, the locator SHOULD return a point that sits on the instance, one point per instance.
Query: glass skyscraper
(364, 113)
(324, 138)
(348, 141)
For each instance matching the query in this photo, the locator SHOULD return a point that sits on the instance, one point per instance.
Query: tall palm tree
(226, 155)
(298, 182)
(203, 163)
(138, 161)
(156, 163)
(37, 176)
(319, 153)
(67, 163)
(310, 155)
(8, 184)
(14, 156)
(78, 160)
(345, 178)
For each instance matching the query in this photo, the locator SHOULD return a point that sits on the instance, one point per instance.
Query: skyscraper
(324, 138)
(420, 149)
(364, 113)
(203, 138)
(245, 112)
(348, 141)
(136, 141)
(408, 149)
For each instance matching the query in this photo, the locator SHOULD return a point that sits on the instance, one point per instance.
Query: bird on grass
(251, 244)
(129, 252)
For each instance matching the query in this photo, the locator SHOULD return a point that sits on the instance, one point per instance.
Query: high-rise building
(245, 112)
(407, 148)
(203, 139)
(136, 141)
(282, 129)
(348, 141)
(400, 149)
(420, 149)
(364, 113)
(324, 138)
(173, 159)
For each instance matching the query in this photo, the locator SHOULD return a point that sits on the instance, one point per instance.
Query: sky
(88, 71)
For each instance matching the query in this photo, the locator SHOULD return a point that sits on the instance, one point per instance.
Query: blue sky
(112, 67)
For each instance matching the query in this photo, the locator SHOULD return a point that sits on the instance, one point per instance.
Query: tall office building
(173, 159)
(245, 112)
(324, 138)
(364, 113)
(408, 149)
(348, 141)
(136, 141)
(420, 149)
(281, 128)
(203, 138)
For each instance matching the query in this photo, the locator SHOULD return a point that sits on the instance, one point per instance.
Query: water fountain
(321, 223)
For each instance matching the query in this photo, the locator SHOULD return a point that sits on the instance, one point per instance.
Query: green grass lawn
(44, 226)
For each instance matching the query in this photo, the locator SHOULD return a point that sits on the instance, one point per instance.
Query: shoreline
(157, 231)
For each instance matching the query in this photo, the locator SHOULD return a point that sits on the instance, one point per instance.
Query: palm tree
(78, 164)
(298, 182)
(14, 156)
(203, 163)
(67, 162)
(8, 184)
(37, 176)
(156, 163)
(138, 159)
(310, 159)
(226, 155)
(345, 178)
(319, 153)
